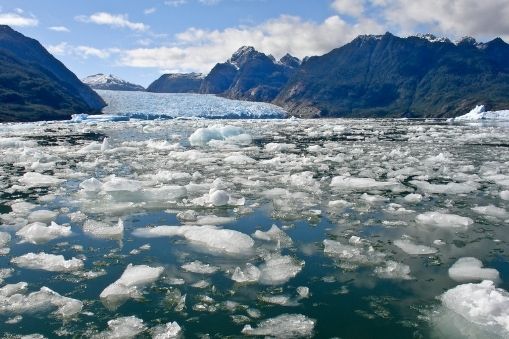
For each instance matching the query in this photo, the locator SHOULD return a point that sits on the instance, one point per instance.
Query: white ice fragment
(5, 273)
(122, 328)
(393, 270)
(22, 207)
(303, 292)
(167, 331)
(130, 284)
(17, 303)
(239, 159)
(471, 269)
(274, 234)
(42, 216)
(47, 262)
(492, 211)
(250, 274)
(212, 220)
(199, 267)
(208, 237)
(373, 198)
(449, 188)
(504, 195)
(278, 269)
(33, 179)
(411, 248)
(219, 198)
(283, 326)
(5, 238)
(37, 232)
(413, 198)
(103, 230)
(354, 184)
(479, 113)
(233, 134)
(481, 304)
(279, 147)
(444, 220)
(361, 253)
(116, 184)
(91, 185)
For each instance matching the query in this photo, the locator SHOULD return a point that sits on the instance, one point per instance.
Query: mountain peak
(466, 40)
(110, 82)
(290, 61)
(431, 37)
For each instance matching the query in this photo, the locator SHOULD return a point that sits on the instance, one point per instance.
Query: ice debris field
(271, 228)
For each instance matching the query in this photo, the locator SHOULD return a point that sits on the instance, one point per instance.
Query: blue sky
(140, 40)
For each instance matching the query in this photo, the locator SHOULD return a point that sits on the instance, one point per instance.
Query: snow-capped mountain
(110, 82)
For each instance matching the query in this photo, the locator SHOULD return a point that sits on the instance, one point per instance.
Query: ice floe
(38, 232)
(409, 247)
(444, 220)
(279, 269)
(283, 326)
(48, 262)
(471, 269)
(130, 284)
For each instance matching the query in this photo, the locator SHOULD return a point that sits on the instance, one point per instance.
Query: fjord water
(370, 216)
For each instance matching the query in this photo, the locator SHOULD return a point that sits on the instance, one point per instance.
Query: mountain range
(36, 86)
(372, 76)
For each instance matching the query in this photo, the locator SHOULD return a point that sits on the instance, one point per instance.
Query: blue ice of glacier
(144, 105)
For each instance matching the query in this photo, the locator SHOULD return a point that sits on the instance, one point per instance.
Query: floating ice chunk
(479, 113)
(274, 234)
(359, 254)
(42, 216)
(282, 300)
(393, 270)
(170, 176)
(471, 269)
(14, 302)
(504, 195)
(38, 232)
(167, 331)
(481, 304)
(130, 284)
(373, 198)
(444, 220)
(492, 211)
(103, 230)
(208, 237)
(340, 204)
(47, 262)
(91, 185)
(239, 159)
(411, 248)
(199, 267)
(413, 198)
(251, 273)
(303, 292)
(219, 198)
(213, 220)
(115, 184)
(5, 273)
(22, 207)
(105, 145)
(303, 180)
(449, 188)
(283, 326)
(11, 289)
(203, 136)
(354, 184)
(279, 269)
(5, 238)
(279, 147)
(94, 146)
(124, 327)
(33, 179)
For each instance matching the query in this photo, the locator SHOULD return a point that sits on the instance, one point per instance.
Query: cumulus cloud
(18, 19)
(59, 29)
(113, 20)
(453, 18)
(81, 51)
(199, 50)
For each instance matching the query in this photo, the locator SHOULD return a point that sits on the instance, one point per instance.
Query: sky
(139, 40)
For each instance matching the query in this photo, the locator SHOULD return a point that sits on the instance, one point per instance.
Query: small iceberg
(480, 113)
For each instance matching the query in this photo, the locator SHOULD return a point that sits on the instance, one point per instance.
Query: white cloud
(175, 3)
(81, 51)
(17, 19)
(150, 10)
(348, 7)
(114, 20)
(199, 50)
(59, 29)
